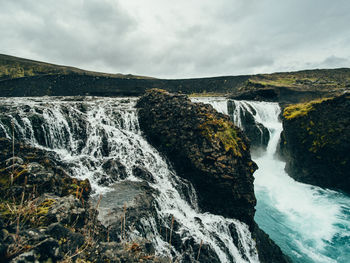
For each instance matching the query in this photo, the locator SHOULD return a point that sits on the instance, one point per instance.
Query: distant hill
(23, 77)
(325, 79)
(14, 67)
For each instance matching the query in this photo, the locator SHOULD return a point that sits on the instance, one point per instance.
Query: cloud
(333, 61)
(192, 38)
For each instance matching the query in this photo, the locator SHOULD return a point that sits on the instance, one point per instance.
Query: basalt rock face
(205, 148)
(316, 142)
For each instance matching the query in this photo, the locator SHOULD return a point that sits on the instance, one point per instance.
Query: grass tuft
(300, 109)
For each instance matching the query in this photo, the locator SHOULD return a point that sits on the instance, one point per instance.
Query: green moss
(222, 131)
(5, 177)
(71, 186)
(300, 109)
(44, 207)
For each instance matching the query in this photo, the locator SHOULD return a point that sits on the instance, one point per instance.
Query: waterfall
(87, 133)
(309, 223)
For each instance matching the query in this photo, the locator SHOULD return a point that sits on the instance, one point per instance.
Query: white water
(218, 103)
(78, 130)
(309, 223)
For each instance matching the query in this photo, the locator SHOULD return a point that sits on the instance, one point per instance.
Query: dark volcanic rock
(142, 173)
(316, 142)
(259, 95)
(268, 251)
(205, 148)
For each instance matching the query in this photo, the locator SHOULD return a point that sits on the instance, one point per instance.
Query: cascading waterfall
(86, 133)
(309, 223)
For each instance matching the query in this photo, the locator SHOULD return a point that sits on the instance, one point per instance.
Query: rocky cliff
(316, 142)
(208, 150)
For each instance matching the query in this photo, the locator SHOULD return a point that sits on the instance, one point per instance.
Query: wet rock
(268, 250)
(114, 169)
(135, 200)
(142, 173)
(69, 240)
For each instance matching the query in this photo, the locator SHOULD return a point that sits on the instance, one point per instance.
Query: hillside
(15, 67)
(22, 77)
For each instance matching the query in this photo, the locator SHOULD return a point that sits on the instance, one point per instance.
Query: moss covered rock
(316, 142)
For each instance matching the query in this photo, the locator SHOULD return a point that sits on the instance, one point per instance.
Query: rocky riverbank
(208, 150)
(316, 142)
(47, 216)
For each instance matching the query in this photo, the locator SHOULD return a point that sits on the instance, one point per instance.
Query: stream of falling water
(309, 223)
(86, 133)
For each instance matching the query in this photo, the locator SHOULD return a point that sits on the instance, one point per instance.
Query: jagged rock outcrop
(205, 148)
(208, 150)
(316, 142)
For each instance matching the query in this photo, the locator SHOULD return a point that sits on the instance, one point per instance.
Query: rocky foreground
(47, 216)
(316, 142)
(213, 154)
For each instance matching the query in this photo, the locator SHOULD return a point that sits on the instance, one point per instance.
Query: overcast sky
(179, 39)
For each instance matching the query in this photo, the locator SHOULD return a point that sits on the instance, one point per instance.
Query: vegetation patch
(222, 131)
(301, 109)
(25, 212)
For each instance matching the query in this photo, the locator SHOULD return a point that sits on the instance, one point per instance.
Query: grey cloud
(204, 38)
(334, 61)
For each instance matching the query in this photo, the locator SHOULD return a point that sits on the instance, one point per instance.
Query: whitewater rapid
(87, 132)
(309, 223)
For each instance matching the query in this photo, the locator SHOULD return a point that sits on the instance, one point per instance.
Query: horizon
(152, 77)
